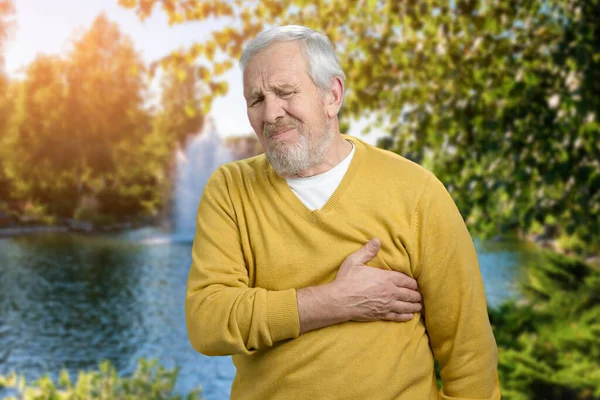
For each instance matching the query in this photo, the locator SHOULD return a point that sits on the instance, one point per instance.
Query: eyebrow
(255, 92)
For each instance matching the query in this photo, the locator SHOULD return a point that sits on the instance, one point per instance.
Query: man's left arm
(455, 311)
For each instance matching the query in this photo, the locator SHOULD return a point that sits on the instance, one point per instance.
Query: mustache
(270, 129)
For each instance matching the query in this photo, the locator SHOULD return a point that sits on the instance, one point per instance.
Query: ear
(334, 97)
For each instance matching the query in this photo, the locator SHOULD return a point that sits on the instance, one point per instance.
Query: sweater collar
(283, 191)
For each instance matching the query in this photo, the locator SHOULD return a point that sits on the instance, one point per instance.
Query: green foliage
(149, 381)
(39, 152)
(549, 346)
(513, 124)
(181, 113)
(498, 98)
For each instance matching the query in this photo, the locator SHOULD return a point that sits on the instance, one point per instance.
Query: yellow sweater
(256, 243)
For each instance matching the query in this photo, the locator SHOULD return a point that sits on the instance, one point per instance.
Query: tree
(108, 120)
(40, 157)
(105, 96)
(80, 144)
(496, 97)
(181, 105)
(7, 91)
(6, 12)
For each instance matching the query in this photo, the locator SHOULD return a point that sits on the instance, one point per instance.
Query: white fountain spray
(203, 154)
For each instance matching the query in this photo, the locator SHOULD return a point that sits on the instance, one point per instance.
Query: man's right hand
(373, 294)
(359, 293)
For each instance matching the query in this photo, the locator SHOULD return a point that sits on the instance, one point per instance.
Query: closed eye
(256, 102)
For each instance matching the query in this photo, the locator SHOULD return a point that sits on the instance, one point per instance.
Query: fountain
(204, 153)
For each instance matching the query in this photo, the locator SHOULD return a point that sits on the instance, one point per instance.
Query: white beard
(291, 159)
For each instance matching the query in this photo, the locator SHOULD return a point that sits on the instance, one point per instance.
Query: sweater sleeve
(223, 315)
(455, 311)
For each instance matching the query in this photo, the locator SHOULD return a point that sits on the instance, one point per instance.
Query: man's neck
(339, 148)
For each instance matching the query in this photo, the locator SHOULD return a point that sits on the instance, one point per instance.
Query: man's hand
(373, 294)
(359, 293)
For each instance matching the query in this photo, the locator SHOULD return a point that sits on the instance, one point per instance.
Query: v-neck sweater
(256, 243)
(314, 191)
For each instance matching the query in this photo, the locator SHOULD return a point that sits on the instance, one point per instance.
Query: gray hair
(322, 63)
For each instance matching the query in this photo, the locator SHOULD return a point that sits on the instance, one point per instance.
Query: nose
(273, 109)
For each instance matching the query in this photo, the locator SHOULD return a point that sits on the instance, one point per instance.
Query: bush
(549, 347)
(150, 381)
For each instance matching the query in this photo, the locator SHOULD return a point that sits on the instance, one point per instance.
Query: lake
(70, 301)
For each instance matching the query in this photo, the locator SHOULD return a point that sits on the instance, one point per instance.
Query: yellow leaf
(207, 10)
(206, 104)
(223, 88)
(227, 10)
(128, 3)
(180, 75)
(196, 50)
(204, 74)
(221, 38)
(210, 50)
(260, 11)
(190, 111)
(221, 68)
(189, 58)
(218, 88)
(246, 16)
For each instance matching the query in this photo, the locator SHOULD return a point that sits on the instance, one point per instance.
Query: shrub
(150, 381)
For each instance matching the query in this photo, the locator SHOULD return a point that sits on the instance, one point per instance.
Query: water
(69, 301)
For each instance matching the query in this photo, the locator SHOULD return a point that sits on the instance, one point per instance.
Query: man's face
(286, 109)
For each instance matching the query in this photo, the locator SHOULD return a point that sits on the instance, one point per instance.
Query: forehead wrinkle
(279, 86)
(276, 78)
(269, 77)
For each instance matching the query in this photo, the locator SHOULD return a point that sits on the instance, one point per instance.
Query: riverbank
(553, 244)
(74, 226)
(87, 227)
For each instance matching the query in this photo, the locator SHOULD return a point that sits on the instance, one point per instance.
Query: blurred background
(113, 113)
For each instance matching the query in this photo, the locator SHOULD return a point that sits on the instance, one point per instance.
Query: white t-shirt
(314, 191)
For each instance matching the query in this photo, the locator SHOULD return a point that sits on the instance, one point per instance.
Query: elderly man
(306, 259)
